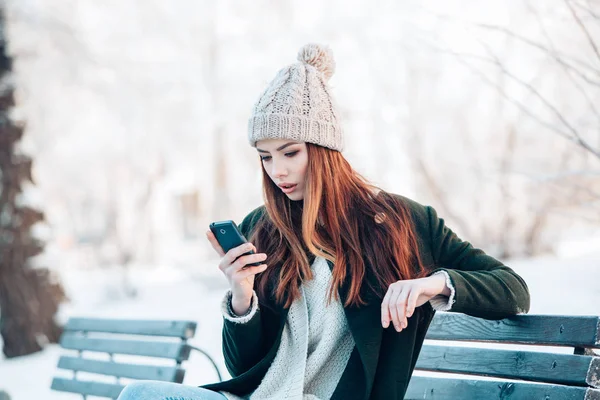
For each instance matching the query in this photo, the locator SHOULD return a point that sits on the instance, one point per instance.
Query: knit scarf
(316, 345)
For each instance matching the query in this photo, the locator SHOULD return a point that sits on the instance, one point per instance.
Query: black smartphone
(229, 236)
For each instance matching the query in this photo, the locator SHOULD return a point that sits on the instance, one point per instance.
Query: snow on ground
(558, 286)
(162, 294)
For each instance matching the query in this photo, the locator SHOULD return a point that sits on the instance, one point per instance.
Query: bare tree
(583, 75)
(539, 177)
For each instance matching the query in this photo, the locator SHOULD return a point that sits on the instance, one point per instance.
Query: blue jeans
(157, 390)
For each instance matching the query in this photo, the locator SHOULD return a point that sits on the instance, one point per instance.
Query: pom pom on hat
(320, 57)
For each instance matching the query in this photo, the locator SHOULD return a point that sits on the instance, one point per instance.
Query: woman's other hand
(404, 296)
(241, 278)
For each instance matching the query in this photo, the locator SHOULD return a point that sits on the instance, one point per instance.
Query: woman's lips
(289, 190)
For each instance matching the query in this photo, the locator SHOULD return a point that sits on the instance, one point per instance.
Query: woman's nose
(278, 170)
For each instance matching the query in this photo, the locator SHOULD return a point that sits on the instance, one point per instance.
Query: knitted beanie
(297, 104)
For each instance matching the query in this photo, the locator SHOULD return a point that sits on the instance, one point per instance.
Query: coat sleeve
(243, 341)
(484, 287)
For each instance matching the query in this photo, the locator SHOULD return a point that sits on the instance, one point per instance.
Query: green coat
(383, 360)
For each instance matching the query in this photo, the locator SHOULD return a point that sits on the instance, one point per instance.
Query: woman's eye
(290, 154)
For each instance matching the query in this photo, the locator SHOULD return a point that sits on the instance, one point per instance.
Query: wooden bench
(156, 339)
(525, 374)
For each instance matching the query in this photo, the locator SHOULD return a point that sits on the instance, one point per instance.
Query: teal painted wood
(181, 329)
(122, 370)
(526, 365)
(555, 330)
(459, 389)
(99, 389)
(176, 351)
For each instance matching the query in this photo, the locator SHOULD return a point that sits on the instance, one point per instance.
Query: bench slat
(422, 387)
(99, 389)
(176, 351)
(134, 371)
(182, 329)
(553, 330)
(527, 365)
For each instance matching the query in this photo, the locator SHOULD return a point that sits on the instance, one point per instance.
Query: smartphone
(229, 236)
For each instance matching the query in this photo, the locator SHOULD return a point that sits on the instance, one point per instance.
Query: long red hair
(343, 219)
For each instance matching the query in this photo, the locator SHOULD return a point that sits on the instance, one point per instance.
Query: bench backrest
(160, 339)
(562, 376)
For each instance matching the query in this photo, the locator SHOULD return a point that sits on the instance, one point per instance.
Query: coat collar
(365, 325)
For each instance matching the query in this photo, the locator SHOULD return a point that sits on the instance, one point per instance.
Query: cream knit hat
(297, 104)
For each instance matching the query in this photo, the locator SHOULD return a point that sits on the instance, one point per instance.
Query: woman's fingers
(395, 308)
(402, 306)
(402, 299)
(385, 310)
(251, 271)
(241, 262)
(412, 302)
(398, 305)
(215, 244)
(235, 253)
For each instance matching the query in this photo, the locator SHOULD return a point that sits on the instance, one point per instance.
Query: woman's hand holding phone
(241, 280)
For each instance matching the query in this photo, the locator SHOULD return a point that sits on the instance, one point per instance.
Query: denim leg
(157, 390)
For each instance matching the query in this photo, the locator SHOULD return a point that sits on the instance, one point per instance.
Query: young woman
(351, 275)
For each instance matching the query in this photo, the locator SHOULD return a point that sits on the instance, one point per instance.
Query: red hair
(360, 229)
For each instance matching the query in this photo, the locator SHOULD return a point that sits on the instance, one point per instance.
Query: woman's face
(286, 162)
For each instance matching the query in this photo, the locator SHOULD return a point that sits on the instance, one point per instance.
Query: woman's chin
(295, 196)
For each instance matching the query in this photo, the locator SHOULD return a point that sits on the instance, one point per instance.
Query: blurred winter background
(134, 116)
